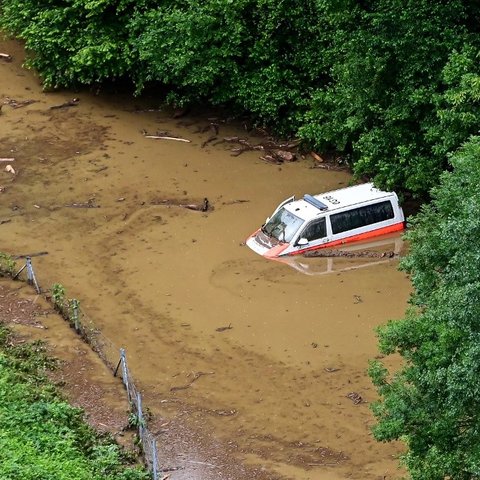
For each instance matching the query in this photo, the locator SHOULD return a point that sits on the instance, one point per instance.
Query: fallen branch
(222, 329)
(38, 254)
(275, 153)
(162, 137)
(208, 140)
(232, 202)
(7, 160)
(17, 104)
(6, 57)
(238, 151)
(196, 376)
(203, 207)
(71, 103)
(316, 157)
(199, 208)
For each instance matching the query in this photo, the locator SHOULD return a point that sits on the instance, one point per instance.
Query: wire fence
(115, 358)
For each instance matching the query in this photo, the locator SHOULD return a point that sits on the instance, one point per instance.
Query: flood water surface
(252, 368)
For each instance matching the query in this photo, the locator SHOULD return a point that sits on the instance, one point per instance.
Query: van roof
(310, 206)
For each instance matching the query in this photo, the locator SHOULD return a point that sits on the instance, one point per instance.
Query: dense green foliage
(391, 84)
(433, 402)
(41, 436)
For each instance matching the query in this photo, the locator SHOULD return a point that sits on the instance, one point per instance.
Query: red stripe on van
(354, 238)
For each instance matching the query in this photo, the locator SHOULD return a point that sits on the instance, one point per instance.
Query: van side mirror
(302, 242)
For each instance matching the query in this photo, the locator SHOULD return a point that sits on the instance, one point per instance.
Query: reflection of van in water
(377, 251)
(328, 220)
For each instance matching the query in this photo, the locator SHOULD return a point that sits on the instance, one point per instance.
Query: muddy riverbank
(275, 395)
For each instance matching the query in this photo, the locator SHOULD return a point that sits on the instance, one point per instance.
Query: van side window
(315, 230)
(362, 216)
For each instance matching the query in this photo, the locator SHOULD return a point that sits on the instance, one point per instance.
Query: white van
(327, 220)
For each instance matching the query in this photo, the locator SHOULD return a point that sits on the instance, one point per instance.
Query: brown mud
(283, 391)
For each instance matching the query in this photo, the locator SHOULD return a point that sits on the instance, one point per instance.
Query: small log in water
(162, 137)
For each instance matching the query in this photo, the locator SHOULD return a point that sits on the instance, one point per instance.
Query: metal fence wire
(71, 311)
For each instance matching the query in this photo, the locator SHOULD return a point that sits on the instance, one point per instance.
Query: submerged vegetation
(42, 436)
(391, 85)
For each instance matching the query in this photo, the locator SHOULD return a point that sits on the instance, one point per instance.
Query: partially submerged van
(328, 220)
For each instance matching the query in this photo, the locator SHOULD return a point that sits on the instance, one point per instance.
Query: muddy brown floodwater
(272, 397)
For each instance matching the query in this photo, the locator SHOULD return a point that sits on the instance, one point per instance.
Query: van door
(314, 234)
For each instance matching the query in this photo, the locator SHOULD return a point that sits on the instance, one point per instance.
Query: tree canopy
(390, 84)
(433, 401)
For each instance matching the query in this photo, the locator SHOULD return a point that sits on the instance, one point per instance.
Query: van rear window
(362, 216)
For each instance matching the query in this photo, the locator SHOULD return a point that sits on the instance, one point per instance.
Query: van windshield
(283, 226)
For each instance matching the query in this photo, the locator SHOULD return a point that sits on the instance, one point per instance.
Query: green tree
(432, 403)
(392, 85)
(258, 56)
(380, 107)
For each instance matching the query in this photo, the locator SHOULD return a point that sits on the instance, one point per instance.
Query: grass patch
(41, 435)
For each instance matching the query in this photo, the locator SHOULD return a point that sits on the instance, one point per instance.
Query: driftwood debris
(90, 203)
(331, 369)
(71, 103)
(195, 377)
(213, 128)
(17, 103)
(209, 140)
(6, 57)
(346, 254)
(199, 207)
(355, 398)
(225, 413)
(275, 153)
(164, 136)
(233, 202)
(7, 160)
(222, 329)
(317, 157)
(329, 162)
